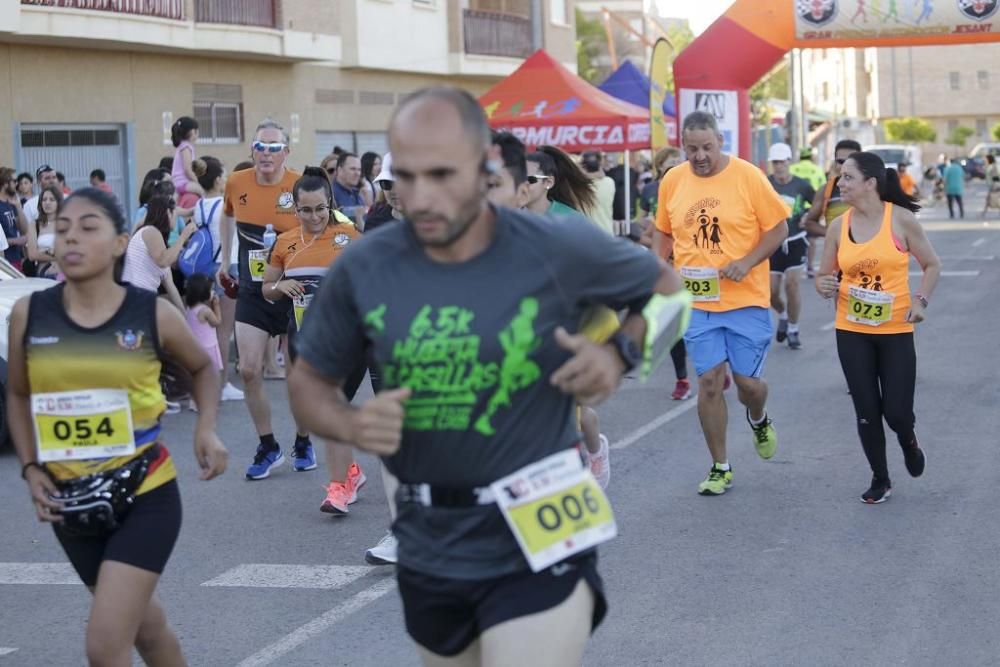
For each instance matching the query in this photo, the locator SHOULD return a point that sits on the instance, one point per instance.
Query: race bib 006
(555, 508)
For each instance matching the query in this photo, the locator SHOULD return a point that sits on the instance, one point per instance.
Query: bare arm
(827, 281)
(213, 314)
(320, 406)
(274, 288)
(172, 294)
(34, 253)
(227, 225)
(177, 341)
(920, 247)
(811, 220)
(663, 244)
(158, 250)
(187, 157)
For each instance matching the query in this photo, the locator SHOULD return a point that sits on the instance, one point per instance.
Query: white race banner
(723, 104)
(874, 19)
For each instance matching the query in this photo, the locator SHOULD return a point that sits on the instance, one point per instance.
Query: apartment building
(97, 83)
(949, 86)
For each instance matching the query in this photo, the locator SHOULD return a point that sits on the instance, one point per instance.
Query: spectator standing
(371, 165)
(604, 191)
(46, 177)
(954, 187)
(149, 258)
(99, 180)
(184, 135)
(347, 187)
(25, 187)
(11, 218)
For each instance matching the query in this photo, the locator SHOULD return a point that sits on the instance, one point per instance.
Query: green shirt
(559, 208)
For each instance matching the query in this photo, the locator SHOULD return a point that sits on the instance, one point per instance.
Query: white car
(13, 285)
(893, 154)
(984, 149)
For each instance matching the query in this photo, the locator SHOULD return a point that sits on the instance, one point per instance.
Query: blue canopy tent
(630, 84)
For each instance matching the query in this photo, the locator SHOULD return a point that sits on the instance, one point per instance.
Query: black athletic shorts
(144, 539)
(795, 258)
(351, 383)
(446, 615)
(255, 310)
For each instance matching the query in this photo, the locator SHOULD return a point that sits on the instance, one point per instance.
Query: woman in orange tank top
(866, 265)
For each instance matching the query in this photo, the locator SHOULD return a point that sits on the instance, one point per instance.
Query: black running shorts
(446, 615)
(795, 258)
(144, 539)
(255, 310)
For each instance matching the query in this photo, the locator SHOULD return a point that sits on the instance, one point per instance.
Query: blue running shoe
(264, 461)
(303, 456)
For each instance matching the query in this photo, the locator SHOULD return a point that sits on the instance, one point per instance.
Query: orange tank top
(875, 285)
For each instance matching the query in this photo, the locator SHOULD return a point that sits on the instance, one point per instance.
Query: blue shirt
(348, 200)
(954, 179)
(8, 220)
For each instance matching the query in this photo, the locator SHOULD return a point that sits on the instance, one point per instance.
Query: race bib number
(86, 424)
(703, 283)
(258, 263)
(299, 306)
(865, 306)
(555, 508)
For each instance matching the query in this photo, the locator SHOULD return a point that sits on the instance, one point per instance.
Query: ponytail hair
(181, 128)
(313, 179)
(572, 186)
(887, 180)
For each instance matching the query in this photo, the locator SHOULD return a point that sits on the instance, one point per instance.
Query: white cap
(779, 153)
(385, 173)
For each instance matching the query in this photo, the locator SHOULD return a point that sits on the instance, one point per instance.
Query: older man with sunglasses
(254, 199)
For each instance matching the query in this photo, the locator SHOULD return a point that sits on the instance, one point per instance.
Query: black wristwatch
(628, 351)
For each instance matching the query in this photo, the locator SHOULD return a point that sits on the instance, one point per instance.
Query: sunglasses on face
(386, 185)
(536, 179)
(261, 147)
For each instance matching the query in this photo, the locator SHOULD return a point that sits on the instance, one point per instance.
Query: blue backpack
(197, 256)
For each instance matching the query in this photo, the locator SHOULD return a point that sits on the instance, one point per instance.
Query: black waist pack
(96, 505)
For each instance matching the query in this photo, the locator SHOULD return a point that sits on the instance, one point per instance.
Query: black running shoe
(915, 459)
(879, 492)
(782, 332)
(793, 340)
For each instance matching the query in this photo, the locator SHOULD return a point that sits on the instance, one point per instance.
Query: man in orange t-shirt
(722, 220)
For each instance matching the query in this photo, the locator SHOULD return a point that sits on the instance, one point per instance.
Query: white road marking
(641, 432)
(27, 574)
(324, 577)
(978, 242)
(967, 258)
(6, 651)
(318, 625)
(950, 274)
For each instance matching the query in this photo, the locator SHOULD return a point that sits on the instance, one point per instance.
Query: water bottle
(269, 237)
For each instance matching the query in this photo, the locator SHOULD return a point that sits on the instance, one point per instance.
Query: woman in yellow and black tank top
(866, 265)
(84, 404)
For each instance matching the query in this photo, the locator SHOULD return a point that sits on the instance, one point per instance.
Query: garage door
(76, 150)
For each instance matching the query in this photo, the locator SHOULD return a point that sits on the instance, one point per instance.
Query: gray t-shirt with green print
(475, 342)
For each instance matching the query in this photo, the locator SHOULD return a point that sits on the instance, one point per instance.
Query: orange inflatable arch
(715, 72)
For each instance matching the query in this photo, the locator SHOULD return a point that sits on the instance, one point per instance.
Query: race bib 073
(865, 306)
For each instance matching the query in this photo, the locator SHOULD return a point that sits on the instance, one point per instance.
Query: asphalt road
(788, 568)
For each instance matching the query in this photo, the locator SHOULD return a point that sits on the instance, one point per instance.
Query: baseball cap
(41, 170)
(779, 153)
(385, 173)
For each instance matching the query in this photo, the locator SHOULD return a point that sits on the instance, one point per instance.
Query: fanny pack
(95, 505)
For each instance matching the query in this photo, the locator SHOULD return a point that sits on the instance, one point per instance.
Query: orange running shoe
(355, 480)
(338, 497)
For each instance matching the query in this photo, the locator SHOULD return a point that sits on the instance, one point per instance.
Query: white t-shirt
(31, 210)
(603, 213)
(214, 224)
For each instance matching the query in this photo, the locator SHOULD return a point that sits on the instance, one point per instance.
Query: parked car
(893, 154)
(984, 149)
(975, 167)
(13, 285)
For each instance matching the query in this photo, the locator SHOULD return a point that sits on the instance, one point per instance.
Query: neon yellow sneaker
(717, 482)
(765, 438)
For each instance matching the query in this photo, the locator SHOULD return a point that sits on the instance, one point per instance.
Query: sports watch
(628, 351)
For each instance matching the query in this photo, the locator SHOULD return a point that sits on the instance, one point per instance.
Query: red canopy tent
(542, 102)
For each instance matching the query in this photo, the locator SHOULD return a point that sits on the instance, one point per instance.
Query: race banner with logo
(874, 19)
(723, 104)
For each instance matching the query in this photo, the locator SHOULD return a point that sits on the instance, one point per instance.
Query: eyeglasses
(386, 185)
(261, 147)
(305, 211)
(535, 179)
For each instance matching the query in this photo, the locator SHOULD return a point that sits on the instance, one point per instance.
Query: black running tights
(678, 354)
(881, 370)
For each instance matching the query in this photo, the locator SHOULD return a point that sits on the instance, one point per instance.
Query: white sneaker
(173, 407)
(231, 393)
(383, 553)
(600, 463)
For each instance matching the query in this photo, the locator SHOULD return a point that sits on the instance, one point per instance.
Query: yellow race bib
(299, 306)
(258, 264)
(555, 509)
(702, 282)
(85, 424)
(865, 306)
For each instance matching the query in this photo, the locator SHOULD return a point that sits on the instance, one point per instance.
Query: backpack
(197, 256)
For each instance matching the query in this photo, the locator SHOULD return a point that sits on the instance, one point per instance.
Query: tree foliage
(996, 131)
(909, 130)
(960, 135)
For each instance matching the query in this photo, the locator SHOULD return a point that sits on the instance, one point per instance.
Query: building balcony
(495, 34)
(245, 29)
